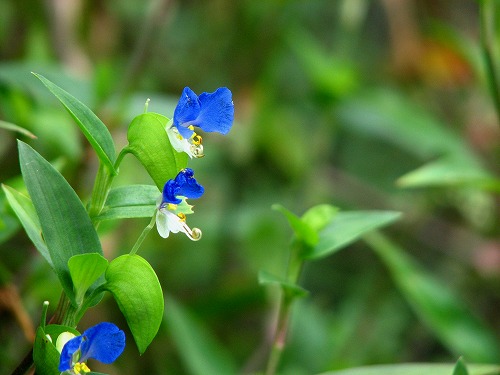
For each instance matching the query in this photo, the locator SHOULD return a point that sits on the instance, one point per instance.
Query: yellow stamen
(79, 368)
(171, 206)
(182, 216)
(196, 139)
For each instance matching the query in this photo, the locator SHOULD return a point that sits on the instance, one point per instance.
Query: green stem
(144, 234)
(487, 9)
(100, 192)
(102, 185)
(294, 269)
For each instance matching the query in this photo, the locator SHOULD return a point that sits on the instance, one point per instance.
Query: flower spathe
(211, 112)
(172, 207)
(104, 342)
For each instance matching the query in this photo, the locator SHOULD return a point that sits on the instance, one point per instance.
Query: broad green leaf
(85, 269)
(200, 351)
(65, 224)
(138, 294)
(291, 290)
(416, 369)
(449, 172)
(149, 143)
(129, 202)
(437, 306)
(91, 126)
(13, 127)
(460, 368)
(25, 211)
(347, 227)
(302, 230)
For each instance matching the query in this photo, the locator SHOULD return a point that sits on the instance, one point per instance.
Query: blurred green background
(359, 104)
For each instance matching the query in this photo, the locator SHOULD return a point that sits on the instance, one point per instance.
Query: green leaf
(347, 227)
(416, 369)
(13, 127)
(290, 289)
(200, 351)
(65, 224)
(91, 126)
(437, 306)
(460, 368)
(449, 172)
(304, 232)
(148, 141)
(129, 202)
(85, 269)
(25, 211)
(45, 354)
(138, 294)
(318, 216)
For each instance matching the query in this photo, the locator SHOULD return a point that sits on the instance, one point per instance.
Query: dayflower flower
(172, 206)
(103, 342)
(211, 112)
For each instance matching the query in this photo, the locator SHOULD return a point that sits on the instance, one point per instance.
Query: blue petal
(103, 342)
(186, 111)
(188, 186)
(169, 193)
(70, 348)
(217, 111)
(184, 185)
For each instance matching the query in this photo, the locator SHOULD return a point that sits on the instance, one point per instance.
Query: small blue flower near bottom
(104, 342)
(172, 207)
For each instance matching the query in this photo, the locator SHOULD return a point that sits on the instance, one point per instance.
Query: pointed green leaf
(148, 141)
(291, 290)
(347, 227)
(85, 269)
(65, 224)
(25, 211)
(437, 306)
(45, 354)
(460, 368)
(91, 126)
(130, 201)
(302, 230)
(200, 351)
(138, 293)
(416, 369)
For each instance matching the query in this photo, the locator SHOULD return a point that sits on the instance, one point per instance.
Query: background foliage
(336, 102)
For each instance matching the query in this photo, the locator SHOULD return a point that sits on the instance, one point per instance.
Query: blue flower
(211, 112)
(172, 207)
(103, 342)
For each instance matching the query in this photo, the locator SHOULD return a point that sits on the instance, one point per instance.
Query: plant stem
(280, 335)
(102, 184)
(144, 234)
(295, 263)
(487, 9)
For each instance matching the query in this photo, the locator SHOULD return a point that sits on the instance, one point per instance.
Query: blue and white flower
(104, 342)
(211, 112)
(172, 206)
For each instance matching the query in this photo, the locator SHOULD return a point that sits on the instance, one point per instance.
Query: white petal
(162, 224)
(178, 143)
